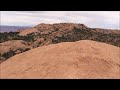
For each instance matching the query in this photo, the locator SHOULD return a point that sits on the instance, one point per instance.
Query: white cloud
(97, 19)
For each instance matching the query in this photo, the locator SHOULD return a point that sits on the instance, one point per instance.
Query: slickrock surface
(83, 59)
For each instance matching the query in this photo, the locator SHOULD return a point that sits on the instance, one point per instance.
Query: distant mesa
(64, 26)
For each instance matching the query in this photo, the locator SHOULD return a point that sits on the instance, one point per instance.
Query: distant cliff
(11, 28)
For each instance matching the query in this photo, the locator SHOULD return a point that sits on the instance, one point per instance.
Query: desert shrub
(8, 54)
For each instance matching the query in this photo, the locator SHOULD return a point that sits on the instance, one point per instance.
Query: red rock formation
(71, 60)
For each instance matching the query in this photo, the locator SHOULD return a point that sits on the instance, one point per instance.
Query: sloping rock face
(83, 59)
(27, 31)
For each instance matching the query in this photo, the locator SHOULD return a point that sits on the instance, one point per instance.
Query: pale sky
(95, 19)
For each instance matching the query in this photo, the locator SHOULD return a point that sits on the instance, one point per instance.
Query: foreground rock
(82, 59)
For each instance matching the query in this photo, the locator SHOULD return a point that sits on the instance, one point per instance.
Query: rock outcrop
(83, 59)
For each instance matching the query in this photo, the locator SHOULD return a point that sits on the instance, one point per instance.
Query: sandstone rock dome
(83, 59)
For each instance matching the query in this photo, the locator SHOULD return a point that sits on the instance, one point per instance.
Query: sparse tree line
(76, 35)
(14, 36)
(70, 36)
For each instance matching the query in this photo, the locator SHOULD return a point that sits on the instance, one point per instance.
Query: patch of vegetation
(8, 36)
(12, 53)
(8, 54)
(78, 34)
(14, 36)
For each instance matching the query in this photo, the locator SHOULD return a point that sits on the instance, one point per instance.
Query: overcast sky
(97, 19)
